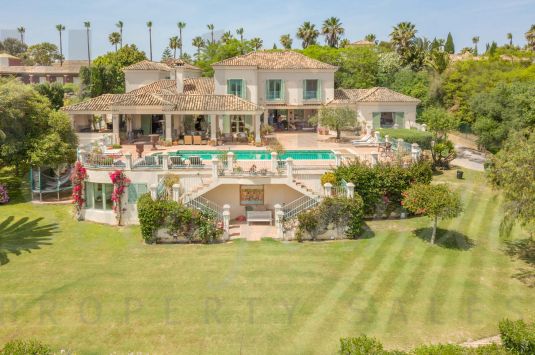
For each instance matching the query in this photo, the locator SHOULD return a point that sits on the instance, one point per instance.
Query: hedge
(518, 336)
(24, 347)
(422, 138)
(381, 186)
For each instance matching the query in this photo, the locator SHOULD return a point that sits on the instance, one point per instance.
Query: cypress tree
(449, 47)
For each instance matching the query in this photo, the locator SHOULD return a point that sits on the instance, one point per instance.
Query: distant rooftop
(165, 66)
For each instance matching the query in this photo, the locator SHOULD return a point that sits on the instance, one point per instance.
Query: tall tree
(174, 44)
(87, 26)
(286, 41)
(239, 32)
(510, 38)
(449, 47)
(475, 41)
(43, 53)
(256, 43)
(115, 39)
(308, 34)
(344, 43)
(149, 26)
(210, 27)
(166, 55)
(332, 30)
(371, 37)
(198, 42)
(120, 26)
(227, 36)
(402, 37)
(60, 29)
(181, 26)
(21, 31)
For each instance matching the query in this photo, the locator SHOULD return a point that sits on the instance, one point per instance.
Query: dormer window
(311, 89)
(274, 90)
(236, 87)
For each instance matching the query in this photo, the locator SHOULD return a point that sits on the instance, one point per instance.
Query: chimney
(179, 78)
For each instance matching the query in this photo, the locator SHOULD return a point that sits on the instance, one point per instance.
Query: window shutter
(319, 94)
(304, 89)
(267, 90)
(400, 119)
(228, 86)
(243, 89)
(376, 120)
(283, 90)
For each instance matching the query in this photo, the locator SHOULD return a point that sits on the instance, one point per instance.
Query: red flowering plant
(78, 176)
(120, 183)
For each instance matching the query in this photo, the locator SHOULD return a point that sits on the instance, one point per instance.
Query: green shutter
(243, 89)
(320, 91)
(304, 89)
(400, 119)
(135, 191)
(376, 120)
(283, 90)
(267, 91)
(228, 86)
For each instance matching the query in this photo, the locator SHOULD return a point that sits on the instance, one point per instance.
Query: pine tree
(167, 54)
(449, 47)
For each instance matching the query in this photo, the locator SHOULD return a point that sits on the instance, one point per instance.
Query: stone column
(213, 129)
(274, 161)
(165, 161)
(328, 189)
(338, 158)
(128, 161)
(257, 137)
(279, 221)
(377, 136)
(401, 146)
(415, 152)
(168, 127)
(350, 190)
(226, 218)
(115, 121)
(215, 166)
(230, 161)
(176, 192)
(290, 168)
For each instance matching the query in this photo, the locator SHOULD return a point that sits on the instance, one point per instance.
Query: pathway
(252, 233)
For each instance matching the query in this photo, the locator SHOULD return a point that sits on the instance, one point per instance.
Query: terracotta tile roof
(197, 86)
(180, 63)
(40, 69)
(215, 103)
(148, 65)
(7, 55)
(145, 99)
(275, 60)
(100, 103)
(377, 94)
(155, 87)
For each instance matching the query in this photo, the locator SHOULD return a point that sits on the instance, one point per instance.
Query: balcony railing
(311, 95)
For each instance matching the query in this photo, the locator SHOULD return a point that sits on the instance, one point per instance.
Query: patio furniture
(366, 140)
(140, 147)
(195, 160)
(188, 140)
(227, 137)
(176, 161)
(197, 140)
(259, 216)
(154, 138)
(240, 137)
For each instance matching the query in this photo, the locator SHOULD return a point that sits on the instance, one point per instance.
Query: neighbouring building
(69, 72)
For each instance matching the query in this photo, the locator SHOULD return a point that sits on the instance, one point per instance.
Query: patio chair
(366, 140)
(227, 137)
(197, 140)
(188, 140)
(195, 160)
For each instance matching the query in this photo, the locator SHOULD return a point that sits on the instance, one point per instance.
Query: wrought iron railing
(205, 205)
(302, 204)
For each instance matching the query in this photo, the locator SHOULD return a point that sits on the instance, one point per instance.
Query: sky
(488, 19)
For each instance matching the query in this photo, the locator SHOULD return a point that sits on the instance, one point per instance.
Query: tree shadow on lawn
(524, 250)
(449, 239)
(23, 235)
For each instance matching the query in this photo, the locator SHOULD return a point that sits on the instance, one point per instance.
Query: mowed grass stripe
(375, 251)
(397, 316)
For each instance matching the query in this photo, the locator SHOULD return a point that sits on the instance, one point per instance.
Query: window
(59, 79)
(237, 124)
(135, 191)
(274, 90)
(236, 87)
(311, 90)
(98, 196)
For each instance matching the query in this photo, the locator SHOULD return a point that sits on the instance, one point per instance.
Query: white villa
(201, 122)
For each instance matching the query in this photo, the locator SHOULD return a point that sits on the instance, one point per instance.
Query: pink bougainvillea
(78, 176)
(120, 183)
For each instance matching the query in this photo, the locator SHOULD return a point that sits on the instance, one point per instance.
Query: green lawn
(99, 289)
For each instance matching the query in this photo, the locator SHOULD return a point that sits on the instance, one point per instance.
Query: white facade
(134, 79)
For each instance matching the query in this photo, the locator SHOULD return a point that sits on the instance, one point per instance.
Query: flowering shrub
(78, 176)
(120, 183)
(4, 197)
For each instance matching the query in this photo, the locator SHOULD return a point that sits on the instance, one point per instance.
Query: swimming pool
(257, 154)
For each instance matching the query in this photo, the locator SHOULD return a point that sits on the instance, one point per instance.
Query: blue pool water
(257, 154)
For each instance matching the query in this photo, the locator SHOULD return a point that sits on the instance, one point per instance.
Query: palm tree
(371, 37)
(510, 38)
(149, 26)
(211, 28)
(286, 41)
(239, 32)
(115, 39)
(227, 36)
(174, 43)
(87, 26)
(256, 43)
(344, 43)
(120, 26)
(199, 43)
(308, 34)
(475, 41)
(332, 30)
(60, 29)
(22, 31)
(181, 26)
(402, 35)
(530, 37)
